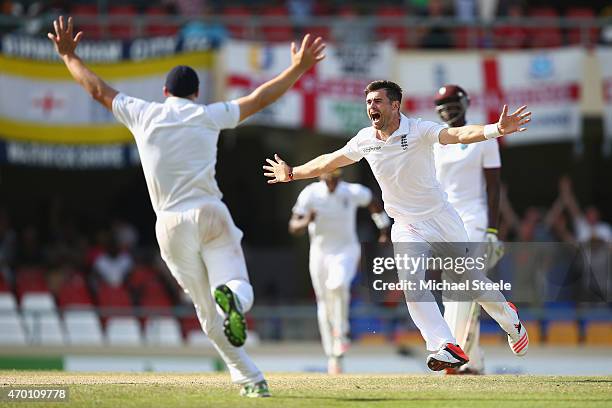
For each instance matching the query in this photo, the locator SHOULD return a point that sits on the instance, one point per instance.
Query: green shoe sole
(234, 325)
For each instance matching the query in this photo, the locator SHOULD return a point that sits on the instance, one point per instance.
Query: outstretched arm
(280, 172)
(569, 198)
(506, 125)
(65, 45)
(309, 54)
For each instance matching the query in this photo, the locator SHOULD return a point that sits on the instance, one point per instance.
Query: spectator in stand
(29, 251)
(596, 239)
(587, 224)
(465, 10)
(7, 245)
(125, 234)
(509, 35)
(188, 8)
(437, 35)
(113, 266)
(101, 240)
(300, 10)
(197, 30)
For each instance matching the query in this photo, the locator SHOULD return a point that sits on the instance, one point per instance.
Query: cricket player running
(328, 209)
(470, 176)
(177, 143)
(399, 151)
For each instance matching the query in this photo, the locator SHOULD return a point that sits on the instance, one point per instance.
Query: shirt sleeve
(490, 157)
(129, 110)
(429, 131)
(302, 205)
(361, 195)
(351, 150)
(225, 115)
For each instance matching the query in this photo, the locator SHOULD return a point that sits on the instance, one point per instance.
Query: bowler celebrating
(399, 151)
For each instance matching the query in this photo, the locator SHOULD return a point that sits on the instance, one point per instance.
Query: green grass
(318, 390)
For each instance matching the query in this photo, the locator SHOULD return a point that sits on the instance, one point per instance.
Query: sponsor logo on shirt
(404, 142)
(369, 149)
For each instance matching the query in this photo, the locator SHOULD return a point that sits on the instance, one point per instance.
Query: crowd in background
(111, 254)
(295, 16)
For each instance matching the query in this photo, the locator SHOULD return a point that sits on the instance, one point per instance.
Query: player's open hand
(278, 171)
(513, 123)
(63, 39)
(309, 53)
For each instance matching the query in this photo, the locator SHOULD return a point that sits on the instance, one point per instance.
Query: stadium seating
(238, 30)
(83, 328)
(123, 331)
(7, 303)
(598, 333)
(156, 29)
(197, 338)
(74, 293)
(397, 33)
(122, 29)
(41, 319)
(163, 331)
(575, 35)
(277, 32)
(91, 30)
(12, 331)
(565, 333)
(30, 280)
(548, 36)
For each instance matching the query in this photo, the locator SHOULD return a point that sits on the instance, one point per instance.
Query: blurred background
(82, 286)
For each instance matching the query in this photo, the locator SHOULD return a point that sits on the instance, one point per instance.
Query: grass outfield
(318, 390)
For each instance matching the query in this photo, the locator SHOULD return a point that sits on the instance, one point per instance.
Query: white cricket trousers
(331, 272)
(437, 234)
(201, 247)
(457, 314)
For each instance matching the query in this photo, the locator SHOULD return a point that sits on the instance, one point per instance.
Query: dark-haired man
(177, 143)
(399, 151)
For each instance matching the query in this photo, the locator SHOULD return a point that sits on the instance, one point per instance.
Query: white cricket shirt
(459, 168)
(177, 144)
(404, 167)
(335, 220)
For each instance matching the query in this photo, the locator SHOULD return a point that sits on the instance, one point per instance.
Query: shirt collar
(175, 100)
(403, 128)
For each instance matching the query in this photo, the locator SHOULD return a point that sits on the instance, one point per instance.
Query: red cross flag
(329, 98)
(548, 81)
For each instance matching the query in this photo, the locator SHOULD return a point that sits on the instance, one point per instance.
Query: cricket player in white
(177, 143)
(470, 176)
(328, 209)
(399, 151)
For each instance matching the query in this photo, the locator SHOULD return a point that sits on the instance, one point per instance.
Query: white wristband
(381, 220)
(491, 131)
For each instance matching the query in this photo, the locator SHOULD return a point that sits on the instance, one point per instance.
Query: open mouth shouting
(375, 117)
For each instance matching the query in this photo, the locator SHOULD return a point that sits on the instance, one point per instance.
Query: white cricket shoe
(518, 340)
(449, 356)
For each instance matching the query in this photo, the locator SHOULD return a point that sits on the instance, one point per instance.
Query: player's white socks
(325, 328)
(503, 314)
(428, 319)
(244, 291)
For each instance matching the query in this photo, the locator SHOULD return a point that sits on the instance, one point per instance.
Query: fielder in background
(177, 143)
(470, 176)
(328, 209)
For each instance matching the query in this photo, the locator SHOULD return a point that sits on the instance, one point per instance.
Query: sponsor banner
(69, 157)
(40, 102)
(329, 98)
(604, 56)
(39, 48)
(548, 81)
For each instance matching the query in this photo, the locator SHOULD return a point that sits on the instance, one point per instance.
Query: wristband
(381, 220)
(491, 131)
(492, 230)
(290, 174)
